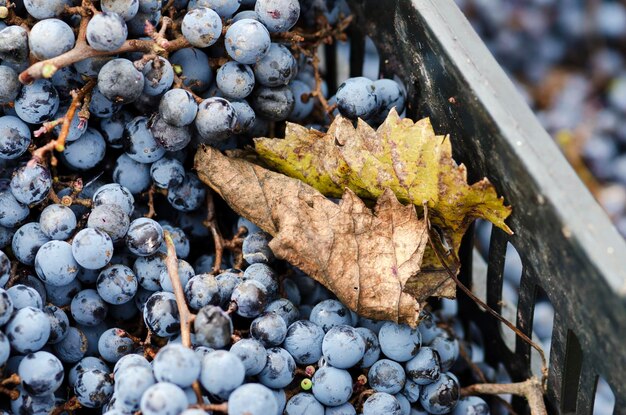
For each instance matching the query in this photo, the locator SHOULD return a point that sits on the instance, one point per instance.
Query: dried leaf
(365, 256)
(406, 157)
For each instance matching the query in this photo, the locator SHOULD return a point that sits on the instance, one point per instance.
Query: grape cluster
(94, 148)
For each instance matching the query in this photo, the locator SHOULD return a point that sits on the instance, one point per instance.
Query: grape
(226, 282)
(343, 347)
(28, 404)
(55, 263)
(252, 354)
(159, 77)
(187, 196)
(86, 152)
(120, 82)
(11, 211)
(202, 27)
(92, 248)
(6, 307)
(148, 269)
(274, 104)
(278, 15)
(9, 85)
(471, 405)
(115, 194)
(213, 327)
(62, 296)
(142, 147)
(100, 106)
(144, 236)
(202, 290)
(43, 31)
(448, 350)
(110, 219)
(356, 98)
(381, 403)
(425, 367)
(28, 330)
(250, 297)
(399, 341)
(345, 409)
(41, 373)
(372, 347)
(277, 68)
(441, 396)
(411, 391)
(126, 9)
(330, 313)
(178, 107)
(216, 120)
(106, 32)
(149, 6)
(194, 411)
(130, 360)
(235, 80)
(245, 115)
(37, 102)
(73, 346)
(269, 328)
(185, 273)
(59, 323)
(160, 314)
(14, 137)
(137, 25)
(93, 388)
(386, 376)
(256, 248)
(195, 67)
(5, 349)
(31, 184)
(285, 309)
(171, 137)
(124, 311)
(176, 364)
(214, 366)
(279, 370)
(246, 14)
(56, 222)
(112, 129)
(405, 405)
(85, 363)
(247, 41)
(332, 386)
(130, 384)
(14, 47)
(303, 106)
(427, 327)
(112, 345)
(167, 172)
(117, 284)
(163, 398)
(23, 296)
(88, 308)
(65, 80)
(27, 241)
(77, 126)
(252, 399)
(304, 404)
(225, 8)
(92, 333)
(390, 95)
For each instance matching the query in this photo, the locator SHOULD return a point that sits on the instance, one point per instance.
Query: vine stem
(531, 389)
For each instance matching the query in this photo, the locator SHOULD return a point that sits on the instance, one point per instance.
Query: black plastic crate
(568, 247)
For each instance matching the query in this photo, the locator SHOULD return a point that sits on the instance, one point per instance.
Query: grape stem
(69, 406)
(7, 384)
(215, 407)
(531, 389)
(234, 245)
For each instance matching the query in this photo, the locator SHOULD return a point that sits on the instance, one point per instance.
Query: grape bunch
(103, 222)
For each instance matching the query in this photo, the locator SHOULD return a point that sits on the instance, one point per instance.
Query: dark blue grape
(28, 404)
(144, 237)
(14, 137)
(277, 68)
(235, 80)
(202, 290)
(92, 333)
(448, 350)
(127, 9)
(246, 14)
(171, 137)
(55, 263)
(332, 386)
(112, 345)
(163, 398)
(425, 367)
(176, 364)
(115, 194)
(12, 211)
(386, 376)
(279, 370)
(142, 146)
(343, 347)
(278, 15)
(132, 175)
(411, 391)
(106, 32)
(9, 84)
(5, 349)
(85, 363)
(117, 284)
(160, 314)
(372, 347)
(6, 306)
(77, 126)
(62, 296)
(178, 107)
(188, 195)
(131, 383)
(330, 313)
(158, 76)
(28, 330)
(216, 120)
(110, 219)
(252, 354)
(112, 128)
(93, 388)
(167, 172)
(471, 405)
(65, 80)
(88, 308)
(303, 106)
(213, 327)
(224, 8)
(73, 346)
(399, 341)
(92, 248)
(441, 396)
(86, 152)
(27, 241)
(214, 365)
(247, 41)
(185, 273)
(285, 309)
(119, 81)
(14, 47)
(148, 269)
(202, 27)
(59, 323)
(31, 184)
(274, 104)
(57, 222)
(128, 361)
(250, 297)
(41, 373)
(304, 404)
(46, 9)
(43, 31)
(23, 296)
(245, 116)
(252, 399)
(193, 64)
(345, 409)
(269, 328)
(381, 403)
(100, 106)
(37, 102)
(356, 98)
(256, 248)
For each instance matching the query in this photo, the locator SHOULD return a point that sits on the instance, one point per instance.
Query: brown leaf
(366, 257)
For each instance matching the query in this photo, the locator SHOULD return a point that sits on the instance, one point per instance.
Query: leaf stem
(531, 389)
